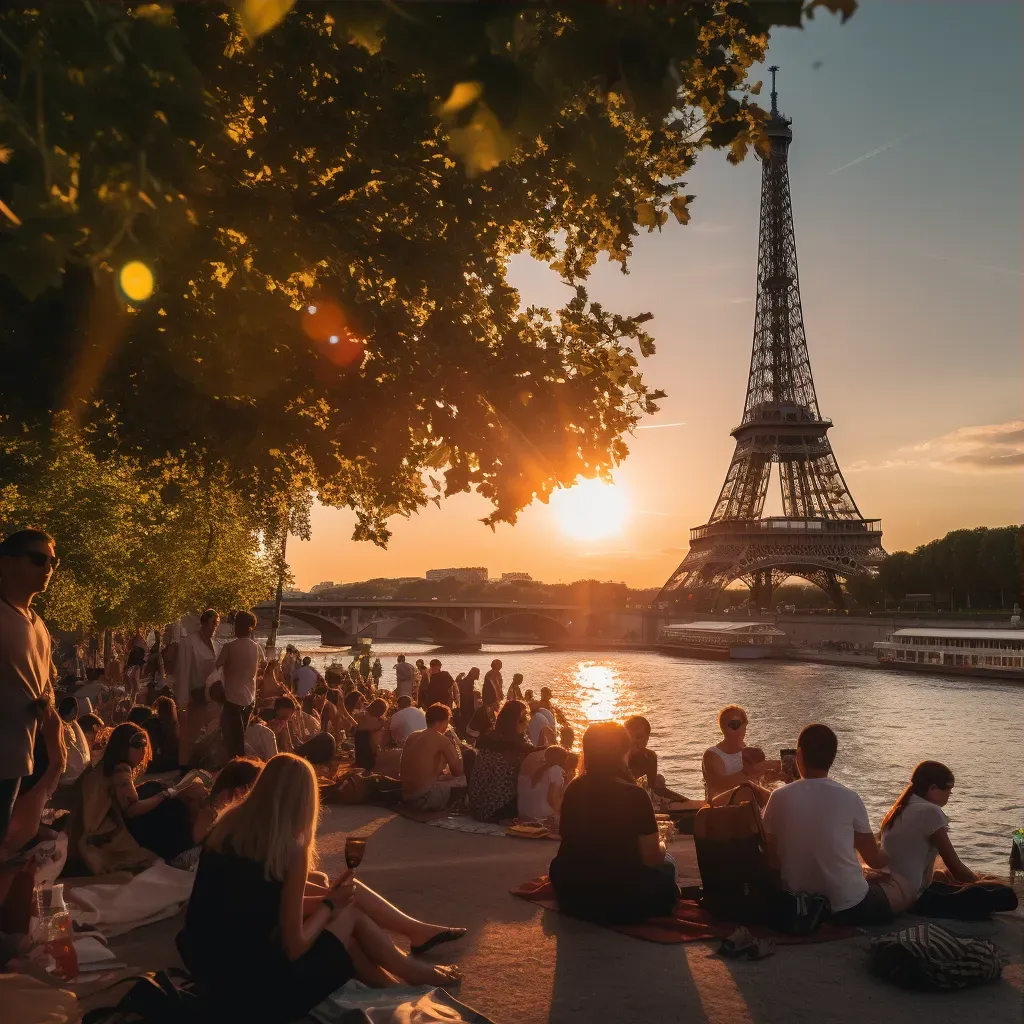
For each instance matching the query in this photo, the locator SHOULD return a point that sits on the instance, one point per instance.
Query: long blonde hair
(281, 810)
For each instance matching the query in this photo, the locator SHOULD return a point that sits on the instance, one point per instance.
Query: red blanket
(691, 923)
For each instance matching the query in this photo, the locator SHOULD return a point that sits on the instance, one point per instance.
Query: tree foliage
(328, 195)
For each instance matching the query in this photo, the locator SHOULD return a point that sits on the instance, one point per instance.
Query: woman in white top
(724, 764)
(542, 779)
(915, 831)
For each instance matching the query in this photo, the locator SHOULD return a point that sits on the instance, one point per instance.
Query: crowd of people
(203, 754)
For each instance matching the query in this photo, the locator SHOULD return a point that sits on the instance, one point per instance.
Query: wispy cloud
(989, 448)
(874, 152)
(660, 426)
(974, 265)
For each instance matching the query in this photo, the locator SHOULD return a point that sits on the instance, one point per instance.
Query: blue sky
(906, 177)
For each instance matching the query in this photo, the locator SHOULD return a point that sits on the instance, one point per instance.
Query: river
(886, 721)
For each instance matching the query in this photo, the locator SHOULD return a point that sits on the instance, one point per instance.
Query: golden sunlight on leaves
(482, 144)
(679, 210)
(259, 16)
(462, 94)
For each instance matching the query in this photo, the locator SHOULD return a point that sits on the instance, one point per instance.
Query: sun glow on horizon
(590, 510)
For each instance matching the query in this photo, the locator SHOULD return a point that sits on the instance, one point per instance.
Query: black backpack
(732, 854)
(926, 956)
(799, 913)
(157, 997)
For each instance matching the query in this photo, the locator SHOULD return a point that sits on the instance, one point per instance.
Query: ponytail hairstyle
(925, 775)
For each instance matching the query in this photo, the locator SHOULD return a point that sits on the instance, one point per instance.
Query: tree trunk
(275, 622)
(108, 647)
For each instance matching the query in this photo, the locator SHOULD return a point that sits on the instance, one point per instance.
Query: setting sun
(590, 510)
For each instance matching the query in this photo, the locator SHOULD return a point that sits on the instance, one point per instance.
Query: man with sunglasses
(27, 672)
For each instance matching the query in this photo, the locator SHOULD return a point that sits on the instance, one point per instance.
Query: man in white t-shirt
(406, 720)
(306, 677)
(405, 677)
(815, 829)
(541, 729)
(260, 740)
(242, 660)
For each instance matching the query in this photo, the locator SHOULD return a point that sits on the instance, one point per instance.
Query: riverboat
(995, 653)
(737, 640)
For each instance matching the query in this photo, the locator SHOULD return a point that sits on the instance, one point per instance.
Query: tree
(329, 213)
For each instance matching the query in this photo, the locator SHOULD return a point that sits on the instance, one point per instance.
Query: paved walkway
(524, 965)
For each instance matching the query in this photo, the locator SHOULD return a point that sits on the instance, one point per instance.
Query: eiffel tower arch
(821, 535)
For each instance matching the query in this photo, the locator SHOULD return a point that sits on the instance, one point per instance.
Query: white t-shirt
(533, 799)
(911, 853)
(540, 719)
(813, 822)
(305, 678)
(260, 740)
(405, 722)
(243, 659)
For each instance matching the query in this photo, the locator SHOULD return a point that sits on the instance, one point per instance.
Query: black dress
(597, 873)
(231, 945)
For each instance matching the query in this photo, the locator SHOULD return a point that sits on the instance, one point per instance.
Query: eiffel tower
(821, 535)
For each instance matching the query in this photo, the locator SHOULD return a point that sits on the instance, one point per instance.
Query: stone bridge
(466, 624)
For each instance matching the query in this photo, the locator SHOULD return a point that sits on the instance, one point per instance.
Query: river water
(886, 721)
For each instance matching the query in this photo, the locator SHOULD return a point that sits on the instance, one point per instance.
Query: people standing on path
(405, 677)
(196, 662)
(306, 677)
(376, 671)
(27, 672)
(816, 828)
(440, 688)
(242, 660)
(493, 691)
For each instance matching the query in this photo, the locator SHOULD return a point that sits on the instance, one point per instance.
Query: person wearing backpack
(815, 829)
(915, 832)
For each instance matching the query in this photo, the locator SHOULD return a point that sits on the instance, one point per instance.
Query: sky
(906, 175)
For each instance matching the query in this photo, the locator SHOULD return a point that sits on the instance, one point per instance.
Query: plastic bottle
(59, 937)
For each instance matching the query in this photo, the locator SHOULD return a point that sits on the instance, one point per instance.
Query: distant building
(465, 574)
(326, 585)
(516, 577)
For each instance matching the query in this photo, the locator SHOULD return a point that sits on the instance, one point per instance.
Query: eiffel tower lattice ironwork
(821, 535)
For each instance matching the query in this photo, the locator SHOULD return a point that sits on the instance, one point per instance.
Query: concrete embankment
(524, 965)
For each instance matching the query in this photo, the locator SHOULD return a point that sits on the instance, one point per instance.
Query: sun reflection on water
(602, 693)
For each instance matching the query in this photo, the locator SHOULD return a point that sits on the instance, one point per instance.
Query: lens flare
(136, 281)
(590, 510)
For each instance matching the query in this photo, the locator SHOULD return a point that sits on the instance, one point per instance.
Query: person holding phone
(731, 763)
(249, 916)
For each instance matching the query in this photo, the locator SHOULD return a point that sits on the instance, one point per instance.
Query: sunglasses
(138, 742)
(736, 724)
(40, 559)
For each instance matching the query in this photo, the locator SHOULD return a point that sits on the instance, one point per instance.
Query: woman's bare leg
(391, 919)
(381, 951)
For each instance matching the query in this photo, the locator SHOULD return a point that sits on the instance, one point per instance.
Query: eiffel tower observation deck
(821, 535)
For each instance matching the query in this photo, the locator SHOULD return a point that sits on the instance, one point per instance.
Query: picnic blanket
(119, 907)
(356, 1003)
(691, 922)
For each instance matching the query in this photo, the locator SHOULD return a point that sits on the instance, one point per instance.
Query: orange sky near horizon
(910, 265)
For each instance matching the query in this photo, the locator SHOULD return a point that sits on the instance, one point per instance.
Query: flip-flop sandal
(449, 975)
(761, 949)
(448, 935)
(738, 943)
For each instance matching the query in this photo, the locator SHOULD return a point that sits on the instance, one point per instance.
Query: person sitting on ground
(915, 832)
(306, 677)
(542, 782)
(120, 827)
(79, 749)
(530, 700)
(334, 719)
(355, 704)
(260, 739)
(481, 722)
(209, 751)
(541, 729)
(440, 688)
(271, 685)
(610, 866)
(406, 720)
(494, 781)
(91, 692)
(515, 690)
(642, 761)
(367, 735)
(726, 766)
(95, 733)
(231, 784)
(164, 738)
(300, 733)
(249, 916)
(815, 829)
(425, 756)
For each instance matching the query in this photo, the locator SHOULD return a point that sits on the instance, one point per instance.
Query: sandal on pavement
(448, 975)
(738, 943)
(446, 935)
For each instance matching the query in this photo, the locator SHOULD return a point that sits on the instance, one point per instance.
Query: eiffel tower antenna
(821, 535)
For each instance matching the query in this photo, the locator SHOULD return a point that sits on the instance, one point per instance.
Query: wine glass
(354, 850)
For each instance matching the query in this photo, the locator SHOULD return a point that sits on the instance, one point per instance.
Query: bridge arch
(440, 628)
(534, 625)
